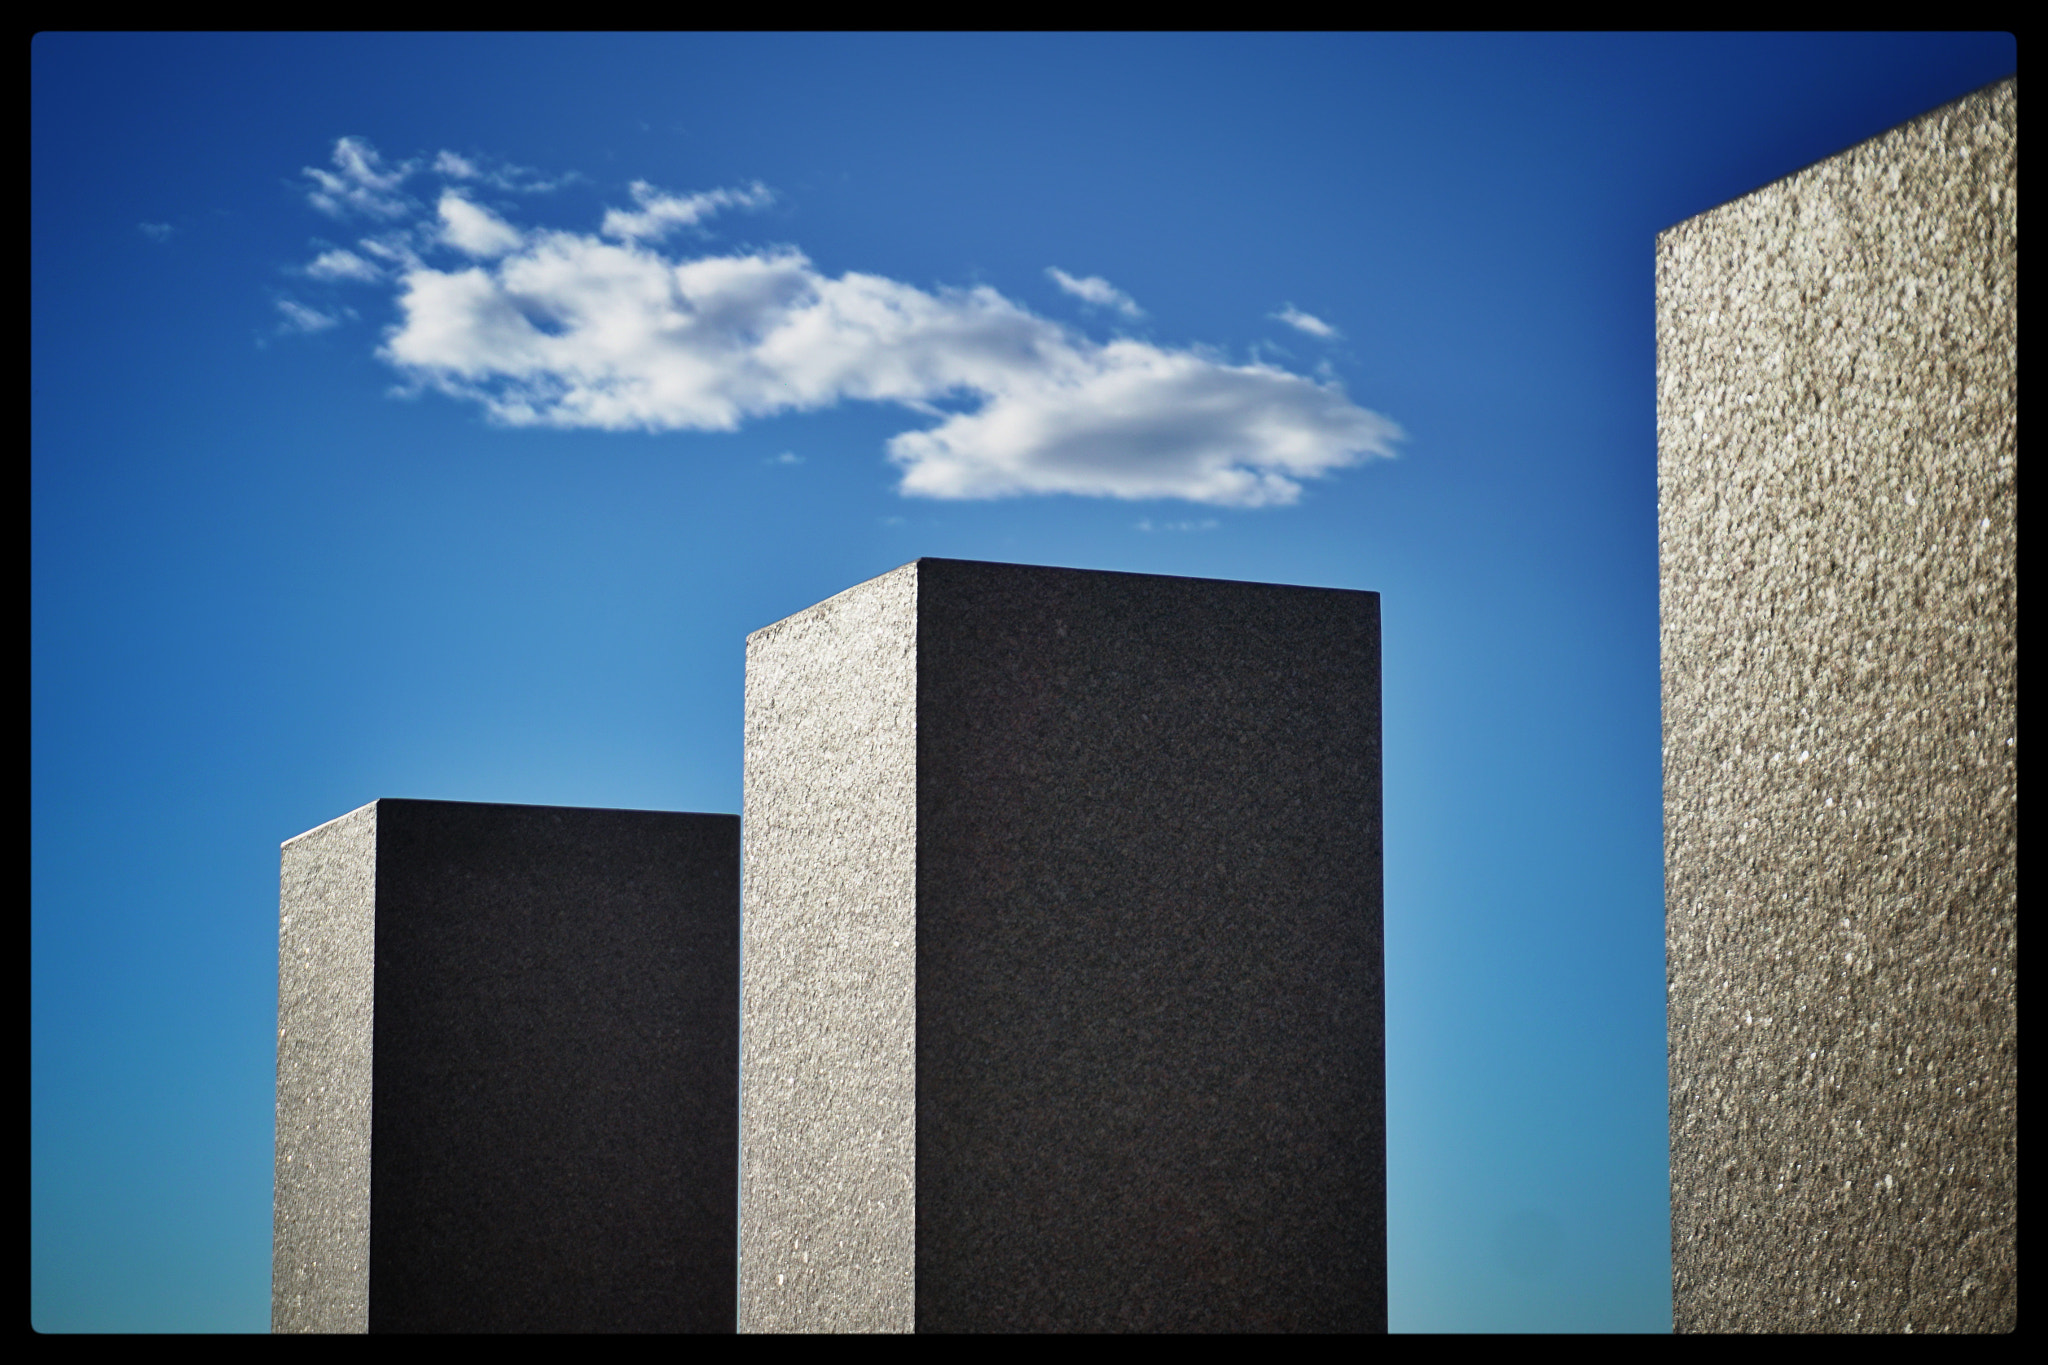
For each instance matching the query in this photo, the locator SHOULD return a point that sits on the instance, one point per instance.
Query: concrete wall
(1837, 438)
(1063, 1003)
(515, 1026)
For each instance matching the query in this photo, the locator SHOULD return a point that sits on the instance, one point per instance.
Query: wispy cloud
(299, 318)
(1306, 322)
(1096, 291)
(343, 265)
(156, 232)
(1206, 524)
(456, 167)
(570, 329)
(475, 231)
(660, 214)
(394, 248)
(360, 183)
(498, 176)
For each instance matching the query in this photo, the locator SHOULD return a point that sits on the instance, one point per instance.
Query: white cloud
(1097, 291)
(1130, 420)
(659, 214)
(343, 265)
(394, 247)
(1205, 524)
(360, 183)
(364, 184)
(568, 329)
(518, 179)
(1306, 322)
(299, 318)
(156, 232)
(475, 231)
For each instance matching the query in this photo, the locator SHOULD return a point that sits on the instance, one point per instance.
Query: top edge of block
(327, 824)
(415, 801)
(1980, 93)
(914, 565)
(909, 568)
(1126, 573)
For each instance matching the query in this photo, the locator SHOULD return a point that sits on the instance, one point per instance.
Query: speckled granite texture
(326, 935)
(828, 1121)
(537, 1078)
(1837, 434)
(1063, 993)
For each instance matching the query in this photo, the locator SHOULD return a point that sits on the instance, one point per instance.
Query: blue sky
(434, 417)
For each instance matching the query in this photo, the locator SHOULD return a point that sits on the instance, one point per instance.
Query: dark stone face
(1150, 1004)
(555, 1086)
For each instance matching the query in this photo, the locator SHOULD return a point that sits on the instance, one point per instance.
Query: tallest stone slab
(1837, 418)
(1062, 1002)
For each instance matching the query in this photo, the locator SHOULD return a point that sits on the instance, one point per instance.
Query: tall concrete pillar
(507, 1071)
(1062, 1003)
(1837, 458)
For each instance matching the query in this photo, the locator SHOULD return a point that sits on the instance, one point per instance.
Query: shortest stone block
(518, 1026)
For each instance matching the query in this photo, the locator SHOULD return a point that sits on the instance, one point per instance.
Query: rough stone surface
(1837, 434)
(550, 1126)
(326, 939)
(1125, 1069)
(828, 1031)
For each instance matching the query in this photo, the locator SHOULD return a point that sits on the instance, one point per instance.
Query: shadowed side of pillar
(1150, 992)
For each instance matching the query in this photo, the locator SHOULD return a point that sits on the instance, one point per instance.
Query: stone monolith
(1837, 404)
(507, 1071)
(1063, 1004)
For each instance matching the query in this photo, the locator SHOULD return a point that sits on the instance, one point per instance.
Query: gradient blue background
(266, 591)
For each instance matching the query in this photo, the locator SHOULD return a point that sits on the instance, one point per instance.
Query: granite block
(516, 1026)
(1837, 519)
(320, 1249)
(1062, 991)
